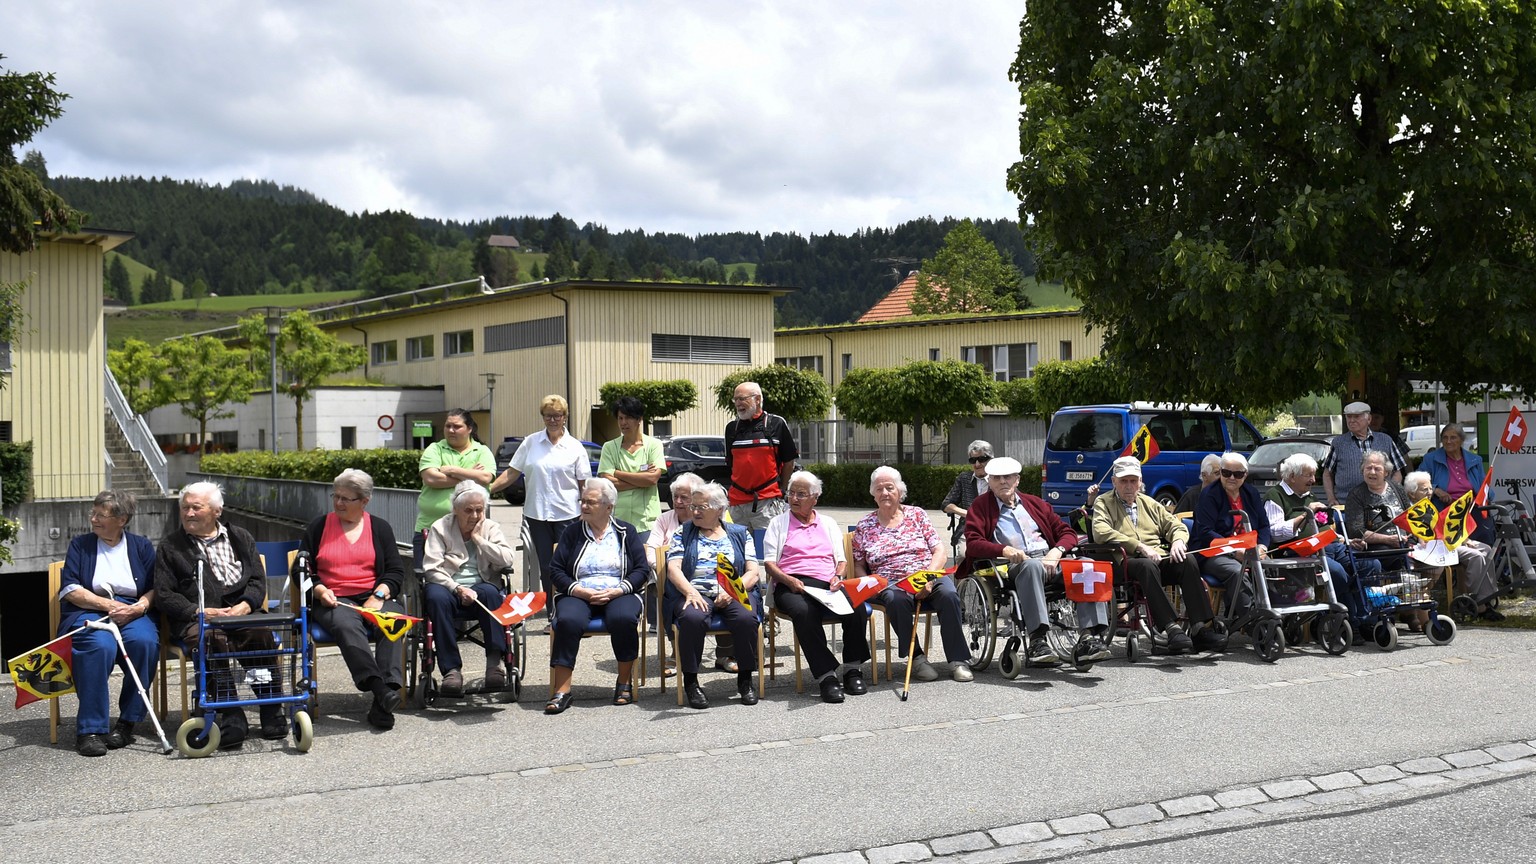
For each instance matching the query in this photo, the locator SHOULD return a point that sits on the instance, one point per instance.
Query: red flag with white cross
(1514, 431)
(1088, 581)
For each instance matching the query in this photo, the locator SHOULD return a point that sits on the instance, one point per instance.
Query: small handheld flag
(1514, 431)
(392, 624)
(1456, 522)
(1235, 543)
(518, 607)
(1143, 446)
(1087, 581)
(1304, 546)
(1482, 491)
(45, 672)
(725, 574)
(918, 581)
(1419, 520)
(860, 590)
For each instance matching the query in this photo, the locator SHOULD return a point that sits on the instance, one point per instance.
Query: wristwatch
(380, 593)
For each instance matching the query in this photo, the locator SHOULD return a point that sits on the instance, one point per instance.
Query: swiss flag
(860, 590)
(1482, 491)
(1514, 431)
(1235, 543)
(518, 607)
(919, 580)
(1304, 546)
(1087, 581)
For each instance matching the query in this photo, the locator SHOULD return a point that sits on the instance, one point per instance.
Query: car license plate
(1079, 475)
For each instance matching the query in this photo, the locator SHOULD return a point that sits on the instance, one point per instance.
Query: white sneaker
(962, 672)
(923, 670)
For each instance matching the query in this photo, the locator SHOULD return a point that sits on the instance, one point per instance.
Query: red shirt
(346, 568)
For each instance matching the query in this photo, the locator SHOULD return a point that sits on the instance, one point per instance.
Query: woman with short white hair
(465, 552)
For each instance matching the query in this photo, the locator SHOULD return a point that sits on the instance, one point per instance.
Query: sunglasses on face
(1233, 475)
(980, 460)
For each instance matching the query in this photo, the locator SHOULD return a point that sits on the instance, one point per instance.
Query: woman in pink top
(354, 561)
(805, 548)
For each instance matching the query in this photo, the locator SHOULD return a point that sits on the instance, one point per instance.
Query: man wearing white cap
(1005, 523)
(1157, 544)
(1341, 470)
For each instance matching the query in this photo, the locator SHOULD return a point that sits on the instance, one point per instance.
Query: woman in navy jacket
(108, 573)
(1213, 519)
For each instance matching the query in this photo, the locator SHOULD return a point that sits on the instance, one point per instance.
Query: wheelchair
(421, 651)
(990, 611)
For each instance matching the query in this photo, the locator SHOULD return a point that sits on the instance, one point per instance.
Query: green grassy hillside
(160, 321)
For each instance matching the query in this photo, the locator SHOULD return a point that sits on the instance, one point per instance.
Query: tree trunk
(917, 440)
(298, 424)
(202, 435)
(901, 439)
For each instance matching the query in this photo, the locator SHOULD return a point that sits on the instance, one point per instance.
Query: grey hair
(753, 387)
(122, 505)
(980, 448)
(714, 495)
(1374, 454)
(1239, 458)
(810, 479)
(469, 489)
(687, 480)
(355, 479)
(1297, 464)
(887, 471)
(1209, 465)
(1418, 482)
(206, 488)
(606, 491)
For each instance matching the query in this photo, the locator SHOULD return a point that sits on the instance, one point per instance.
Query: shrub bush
(16, 472)
(391, 469)
(847, 485)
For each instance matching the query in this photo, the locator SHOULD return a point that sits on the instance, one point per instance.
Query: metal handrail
(136, 431)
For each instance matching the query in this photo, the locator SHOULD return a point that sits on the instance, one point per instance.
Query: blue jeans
(95, 653)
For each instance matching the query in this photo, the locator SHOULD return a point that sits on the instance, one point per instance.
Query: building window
(5, 356)
(1066, 350)
(418, 348)
(5, 431)
(808, 363)
(525, 334)
(349, 437)
(933, 354)
(458, 343)
(385, 352)
(1004, 362)
(847, 363)
(735, 350)
(661, 428)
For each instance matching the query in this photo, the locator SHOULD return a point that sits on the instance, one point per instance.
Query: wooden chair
(173, 649)
(662, 629)
(927, 616)
(55, 578)
(599, 627)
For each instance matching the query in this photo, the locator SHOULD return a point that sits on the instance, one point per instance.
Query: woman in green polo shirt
(634, 463)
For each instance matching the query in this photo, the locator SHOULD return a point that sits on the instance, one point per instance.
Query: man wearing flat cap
(1341, 470)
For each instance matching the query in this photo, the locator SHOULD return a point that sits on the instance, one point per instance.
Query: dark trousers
(544, 535)
(738, 619)
(444, 610)
(1154, 575)
(621, 616)
(353, 634)
(945, 600)
(221, 677)
(808, 619)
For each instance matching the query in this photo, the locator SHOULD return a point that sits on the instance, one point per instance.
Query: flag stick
(117, 634)
(46, 644)
(906, 687)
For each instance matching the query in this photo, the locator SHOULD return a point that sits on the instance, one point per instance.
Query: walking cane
(906, 686)
(110, 625)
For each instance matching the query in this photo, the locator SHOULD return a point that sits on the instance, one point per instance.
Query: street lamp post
(490, 395)
(274, 320)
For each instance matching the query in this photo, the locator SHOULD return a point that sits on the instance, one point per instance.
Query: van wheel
(1168, 499)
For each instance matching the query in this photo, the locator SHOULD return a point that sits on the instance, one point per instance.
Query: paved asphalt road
(792, 777)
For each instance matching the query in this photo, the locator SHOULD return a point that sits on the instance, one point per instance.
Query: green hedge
(16, 472)
(847, 485)
(390, 469)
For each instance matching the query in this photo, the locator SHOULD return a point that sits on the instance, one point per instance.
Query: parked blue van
(1084, 439)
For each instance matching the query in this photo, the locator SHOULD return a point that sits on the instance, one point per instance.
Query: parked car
(1084, 439)
(704, 455)
(1264, 464)
(515, 494)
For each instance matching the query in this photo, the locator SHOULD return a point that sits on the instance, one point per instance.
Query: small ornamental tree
(794, 394)
(922, 392)
(661, 398)
(306, 354)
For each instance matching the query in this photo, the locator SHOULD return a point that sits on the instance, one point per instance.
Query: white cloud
(786, 115)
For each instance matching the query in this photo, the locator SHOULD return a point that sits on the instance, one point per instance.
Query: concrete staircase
(129, 473)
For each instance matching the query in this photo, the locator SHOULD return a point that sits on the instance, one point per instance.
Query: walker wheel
(1441, 631)
(1335, 633)
(303, 731)
(1385, 635)
(1268, 639)
(193, 742)
(1464, 609)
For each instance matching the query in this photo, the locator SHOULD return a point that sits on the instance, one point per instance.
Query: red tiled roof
(897, 304)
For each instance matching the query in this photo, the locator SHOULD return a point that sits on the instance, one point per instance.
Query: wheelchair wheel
(1385, 635)
(1011, 661)
(1464, 609)
(1062, 635)
(193, 741)
(1441, 631)
(515, 683)
(303, 731)
(1335, 633)
(1268, 639)
(978, 619)
(1132, 647)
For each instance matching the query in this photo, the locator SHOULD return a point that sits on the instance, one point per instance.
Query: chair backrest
(55, 579)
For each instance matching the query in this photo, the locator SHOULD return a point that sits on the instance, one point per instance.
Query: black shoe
(233, 728)
(558, 703)
(1208, 641)
(91, 745)
(381, 714)
(1090, 649)
(831, 690)
(453, 684)
(1040, 654)
(853, 683)
(1491, 614)
(121, 735)
(1176, 641)
(745, 688)
(274, 723)
(696, 697)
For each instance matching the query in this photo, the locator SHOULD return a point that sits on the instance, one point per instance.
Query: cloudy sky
(680, 116)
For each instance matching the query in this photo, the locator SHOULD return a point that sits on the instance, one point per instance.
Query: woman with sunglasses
(554, 466)
(967, 485)
(1214, 519)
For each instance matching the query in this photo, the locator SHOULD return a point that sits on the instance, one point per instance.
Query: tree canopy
(1253, 201)
(922, 392)
(28, 103)
(306, 355)
(967, 274)
(661, 398)
(205, 377)
(794, 394)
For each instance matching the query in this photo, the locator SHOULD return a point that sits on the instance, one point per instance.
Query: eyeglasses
(337, 496)
(700, 508)
(795, 496)
(553, 417)
(980, 460)
(1233, 475)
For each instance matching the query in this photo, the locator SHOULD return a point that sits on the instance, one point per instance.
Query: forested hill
(254, 237)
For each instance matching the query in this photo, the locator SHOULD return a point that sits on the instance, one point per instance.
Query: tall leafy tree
(28, 103)
(140, 371)
(119, 286)
(1255, 200)
(206, 378)
(967, 274)
(306, 355)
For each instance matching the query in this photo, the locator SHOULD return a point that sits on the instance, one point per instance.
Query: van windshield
(1087, 431)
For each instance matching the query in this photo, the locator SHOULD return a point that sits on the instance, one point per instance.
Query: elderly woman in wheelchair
(1024, 531)
(465, 552)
